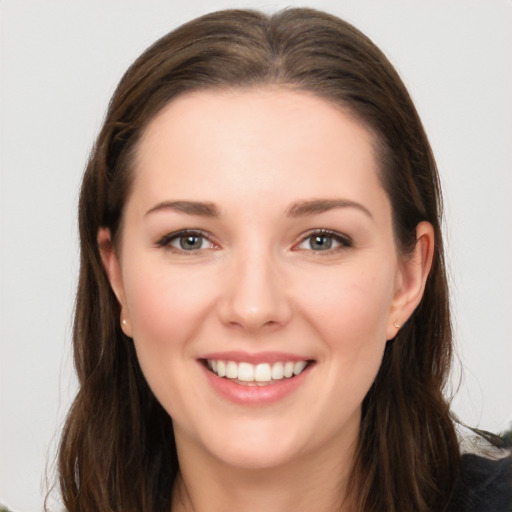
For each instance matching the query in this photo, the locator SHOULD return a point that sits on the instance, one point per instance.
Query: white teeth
(246, 372)
(262, 372)
(288, 369)
(231, 370)
(298, 367)
(221, 368)
(277, 371)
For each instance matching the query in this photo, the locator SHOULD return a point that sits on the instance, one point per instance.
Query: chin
(256, 456)
(257, 445)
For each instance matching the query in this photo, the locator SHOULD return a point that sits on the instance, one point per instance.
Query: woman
(262, 319)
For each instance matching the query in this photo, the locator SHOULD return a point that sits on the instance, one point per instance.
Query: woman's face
(257, 239)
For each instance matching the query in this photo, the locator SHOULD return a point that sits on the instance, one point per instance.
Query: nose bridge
(256, 295)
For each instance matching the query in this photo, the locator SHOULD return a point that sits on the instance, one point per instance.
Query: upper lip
(254, 358)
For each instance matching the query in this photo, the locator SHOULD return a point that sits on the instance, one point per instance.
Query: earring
(396, 325)
(123, 321)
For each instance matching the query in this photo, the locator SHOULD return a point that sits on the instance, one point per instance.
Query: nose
(254, 295)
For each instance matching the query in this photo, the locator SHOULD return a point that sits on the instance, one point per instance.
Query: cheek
(167, 309)
(167, 305)
(350, 305)
(349, 313)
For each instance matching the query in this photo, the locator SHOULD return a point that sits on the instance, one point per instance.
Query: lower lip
(255, 395)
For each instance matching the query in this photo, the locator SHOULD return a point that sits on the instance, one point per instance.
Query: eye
(324, 240)
(186, 241)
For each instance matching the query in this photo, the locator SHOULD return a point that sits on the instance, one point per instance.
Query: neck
(307, 483)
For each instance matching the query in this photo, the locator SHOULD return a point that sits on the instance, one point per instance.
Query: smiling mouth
(261, 374)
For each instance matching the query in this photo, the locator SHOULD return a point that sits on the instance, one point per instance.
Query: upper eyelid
(326, 232)
(345, 242)
(167, 238)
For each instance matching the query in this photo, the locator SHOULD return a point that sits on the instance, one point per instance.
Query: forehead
(246, 108)
(254, 140)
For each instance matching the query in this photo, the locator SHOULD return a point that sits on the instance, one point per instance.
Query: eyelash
(344, 241)
(166, 241)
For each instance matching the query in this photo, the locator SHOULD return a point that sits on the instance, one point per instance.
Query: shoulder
(484, 484)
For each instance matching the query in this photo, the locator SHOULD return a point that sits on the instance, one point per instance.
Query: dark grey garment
(484, 485)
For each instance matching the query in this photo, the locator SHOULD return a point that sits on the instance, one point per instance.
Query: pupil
(321, 242)
(189, 242)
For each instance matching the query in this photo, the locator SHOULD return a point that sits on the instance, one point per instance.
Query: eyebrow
(298, 209)
(188, 207)
(315, 206)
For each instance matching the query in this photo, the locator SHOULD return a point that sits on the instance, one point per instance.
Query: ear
(112, 267)
(411, 279)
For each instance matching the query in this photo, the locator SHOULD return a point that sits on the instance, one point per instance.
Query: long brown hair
(117, 451)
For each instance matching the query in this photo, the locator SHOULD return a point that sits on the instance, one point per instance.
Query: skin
(256, 284)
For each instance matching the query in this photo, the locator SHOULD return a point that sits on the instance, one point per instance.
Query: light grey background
(60, 62)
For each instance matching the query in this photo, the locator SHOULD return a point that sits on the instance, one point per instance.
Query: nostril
(254, 298)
